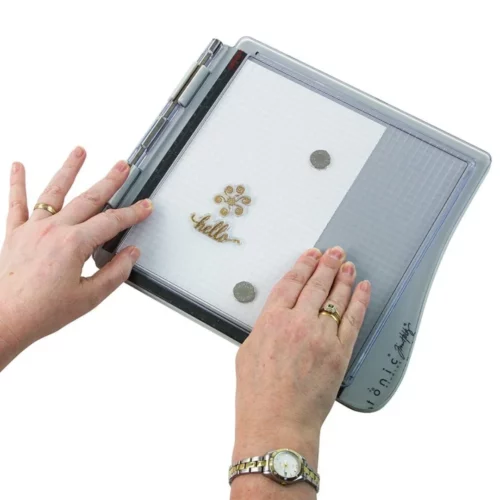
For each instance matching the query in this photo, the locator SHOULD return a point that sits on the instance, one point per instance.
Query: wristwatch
(284, 466)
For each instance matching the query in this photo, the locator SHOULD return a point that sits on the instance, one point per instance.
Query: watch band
(263, 465)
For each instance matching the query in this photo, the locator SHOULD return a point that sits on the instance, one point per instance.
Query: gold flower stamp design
(233, 199)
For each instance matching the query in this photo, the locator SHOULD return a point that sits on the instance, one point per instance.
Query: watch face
(287, 464)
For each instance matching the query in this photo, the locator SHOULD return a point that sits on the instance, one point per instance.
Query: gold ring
(45, 206)
(331, 316)
(331, 310)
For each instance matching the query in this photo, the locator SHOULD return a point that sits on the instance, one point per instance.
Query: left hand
(41, 283)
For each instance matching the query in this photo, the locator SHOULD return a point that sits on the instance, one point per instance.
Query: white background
(123, 402)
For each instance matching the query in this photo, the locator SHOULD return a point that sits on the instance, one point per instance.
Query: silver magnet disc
(244, 292)
(320, 159)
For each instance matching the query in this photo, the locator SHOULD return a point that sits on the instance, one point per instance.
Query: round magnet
(244, 292)
(320, 159)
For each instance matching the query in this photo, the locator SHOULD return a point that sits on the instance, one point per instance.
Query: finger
(108, 224)
(60, 184)
(354, 315)
(341, 292)
(18, 205)
(109, 278)
(91, 202)
(318, 286)
(286, 292)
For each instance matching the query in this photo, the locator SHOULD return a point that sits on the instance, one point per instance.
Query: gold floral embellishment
(233, 199)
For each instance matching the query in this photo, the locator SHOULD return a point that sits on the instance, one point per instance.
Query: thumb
(111, 276)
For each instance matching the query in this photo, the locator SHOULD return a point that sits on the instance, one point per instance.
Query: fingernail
(336, 253)
(348, 268)
(314, 252)
(147, 204)
(134, 253)
(15, 167)
(365, 286)
(122, 166)
(78, 152)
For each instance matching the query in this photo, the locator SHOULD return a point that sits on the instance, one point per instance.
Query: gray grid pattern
(389, 210)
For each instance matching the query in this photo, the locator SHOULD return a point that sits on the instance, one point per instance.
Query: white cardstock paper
(260, 135)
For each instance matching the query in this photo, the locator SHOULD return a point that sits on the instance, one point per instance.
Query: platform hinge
(180, 98)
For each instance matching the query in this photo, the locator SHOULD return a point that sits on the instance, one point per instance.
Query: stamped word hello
(233, 201)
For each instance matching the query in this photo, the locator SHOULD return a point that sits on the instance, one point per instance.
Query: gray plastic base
(409, 147)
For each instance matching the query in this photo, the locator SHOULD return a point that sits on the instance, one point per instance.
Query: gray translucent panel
(393, 206)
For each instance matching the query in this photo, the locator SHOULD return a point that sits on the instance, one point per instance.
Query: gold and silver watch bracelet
(265, 465)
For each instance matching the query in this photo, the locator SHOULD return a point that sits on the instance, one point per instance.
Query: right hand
(291, 366)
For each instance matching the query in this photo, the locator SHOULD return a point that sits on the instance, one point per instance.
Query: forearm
(10, 344)
(259, 487)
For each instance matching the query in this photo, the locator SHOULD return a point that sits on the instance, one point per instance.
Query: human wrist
(9, 346)
(12, 342)
(250, 442)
